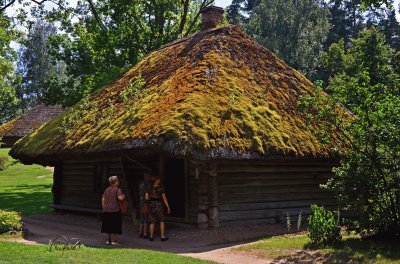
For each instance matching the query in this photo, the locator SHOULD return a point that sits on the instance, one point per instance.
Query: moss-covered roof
(214, 95)
(30, 121)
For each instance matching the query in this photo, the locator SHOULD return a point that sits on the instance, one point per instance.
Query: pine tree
(294, 30)
(341, 25)
(37, 66)
(391, 28)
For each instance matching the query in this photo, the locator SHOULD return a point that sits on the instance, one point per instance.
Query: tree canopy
(294, 30)
(39, 70)
(8, 79)
(366, 83)
(98, 41)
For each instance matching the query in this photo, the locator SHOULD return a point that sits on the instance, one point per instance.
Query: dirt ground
(184, 240)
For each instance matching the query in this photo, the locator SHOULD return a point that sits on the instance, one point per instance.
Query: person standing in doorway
(144, 187)
(156, 197)
(112, 217)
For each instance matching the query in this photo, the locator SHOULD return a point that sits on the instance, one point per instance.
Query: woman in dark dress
(112, 217)
(156, 197)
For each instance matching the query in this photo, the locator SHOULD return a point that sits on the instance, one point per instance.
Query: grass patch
(11, 236)
(297, 248)
(11, 253)
(275, 247)
(26, 189)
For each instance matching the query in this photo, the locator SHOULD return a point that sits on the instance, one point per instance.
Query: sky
(222, 3)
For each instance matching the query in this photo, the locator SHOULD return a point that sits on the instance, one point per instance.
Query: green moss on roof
(217, 94)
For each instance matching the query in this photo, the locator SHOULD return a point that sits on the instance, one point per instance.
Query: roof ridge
(196, 34)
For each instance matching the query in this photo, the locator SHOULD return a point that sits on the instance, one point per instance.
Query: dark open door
(175, 186)
(134, 168)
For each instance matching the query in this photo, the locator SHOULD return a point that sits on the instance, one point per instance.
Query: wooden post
(57, 183)
(213, 210)
(202, 196)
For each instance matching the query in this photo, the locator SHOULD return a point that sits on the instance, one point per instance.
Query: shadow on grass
(29, 188)
(27, 199)
(351, 250)
(9, 163)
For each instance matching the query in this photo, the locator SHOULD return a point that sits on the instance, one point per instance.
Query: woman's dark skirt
(112, 223)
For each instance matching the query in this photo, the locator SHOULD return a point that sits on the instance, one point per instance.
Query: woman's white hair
(112, 179)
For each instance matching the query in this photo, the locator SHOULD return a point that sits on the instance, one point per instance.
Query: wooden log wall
(220, 194)
(256, 192)
(193, 178)
(213, 202)
(83, 182)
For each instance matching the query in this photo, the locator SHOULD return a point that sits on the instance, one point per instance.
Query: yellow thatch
(216, 94)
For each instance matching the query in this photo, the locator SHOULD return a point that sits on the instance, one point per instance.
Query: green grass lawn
(26, 189)
(19, 253)
(5, 237)
(297, 248)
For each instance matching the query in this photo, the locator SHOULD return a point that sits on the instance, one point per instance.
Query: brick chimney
(211, 16)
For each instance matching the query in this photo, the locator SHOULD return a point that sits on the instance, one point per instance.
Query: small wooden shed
(21, 126)
(214, 114)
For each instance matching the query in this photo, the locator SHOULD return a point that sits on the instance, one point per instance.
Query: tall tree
(8, 79)
(36, 65)
(391, 28)
(346, 18)
(367, 180)
(101, 39)
(294, 30)
(238, 11)
(369, 52)
(375, 3)
(4, 4)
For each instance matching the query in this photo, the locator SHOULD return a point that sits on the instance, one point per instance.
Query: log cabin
(26, 123)
(214, 114)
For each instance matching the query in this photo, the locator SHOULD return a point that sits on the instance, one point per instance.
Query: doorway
(133, 168)
(175, 186)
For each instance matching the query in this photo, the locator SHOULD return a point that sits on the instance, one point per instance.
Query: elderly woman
(156, 197)
(112, 217)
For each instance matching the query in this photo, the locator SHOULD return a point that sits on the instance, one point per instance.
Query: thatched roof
(214, 95)
(30, 121)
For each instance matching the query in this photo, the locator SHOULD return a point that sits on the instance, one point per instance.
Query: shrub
(323, 226)
(10, 221)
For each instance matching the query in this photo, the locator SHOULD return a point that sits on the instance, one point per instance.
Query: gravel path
(228, 256)
(184, 240)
